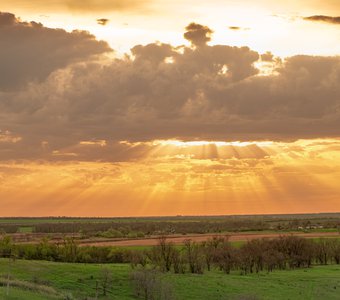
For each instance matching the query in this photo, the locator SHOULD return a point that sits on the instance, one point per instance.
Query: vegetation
(69, 280)
(252, 256)
(56, 266)
(141, 227)
(66, 251)
(286, 252)
(78, 281)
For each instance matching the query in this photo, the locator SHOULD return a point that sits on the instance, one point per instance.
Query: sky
(159, 107)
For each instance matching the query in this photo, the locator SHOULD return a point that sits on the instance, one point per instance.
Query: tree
(194, 255)
(7, 249)
(149, 286)
(105, 279)
(70, 249)
(162, 254)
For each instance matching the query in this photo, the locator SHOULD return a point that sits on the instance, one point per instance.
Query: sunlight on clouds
(8, 137)
(100, 143)
(203, 143)
(201, 149)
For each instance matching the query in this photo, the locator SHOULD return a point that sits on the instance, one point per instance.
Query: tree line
(134, 229)
(285, 252)
(253, 256)
(66, 251)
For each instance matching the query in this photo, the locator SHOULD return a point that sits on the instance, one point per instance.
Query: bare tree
(162, 254)
(105, 279)
(149, 286)
(195, 256)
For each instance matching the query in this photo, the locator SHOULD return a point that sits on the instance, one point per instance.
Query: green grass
(322, 282)
(20, 294)
(79, 280)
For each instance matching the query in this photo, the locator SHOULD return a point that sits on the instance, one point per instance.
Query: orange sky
(234, 109)
(175, 179)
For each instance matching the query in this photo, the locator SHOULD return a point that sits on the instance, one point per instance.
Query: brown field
(34, 238)
(202, 237)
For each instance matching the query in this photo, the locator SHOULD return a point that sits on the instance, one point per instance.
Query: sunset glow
(169, 107)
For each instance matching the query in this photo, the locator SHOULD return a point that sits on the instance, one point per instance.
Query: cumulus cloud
(268, 57)
(322, 18)
(198, 34)
(30, 52)
(159, 91)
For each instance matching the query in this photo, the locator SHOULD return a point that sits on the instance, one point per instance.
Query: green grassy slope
(79, 280)
(322, 282)
(21, 294)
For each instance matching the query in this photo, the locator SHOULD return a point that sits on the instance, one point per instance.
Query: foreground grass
(79, 281)
(76, 280)
(322, 282)
(21, 294)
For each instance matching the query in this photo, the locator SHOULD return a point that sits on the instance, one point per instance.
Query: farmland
(108, 231)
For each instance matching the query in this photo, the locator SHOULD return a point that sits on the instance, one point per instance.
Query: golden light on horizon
(179, 143)
(288, 177)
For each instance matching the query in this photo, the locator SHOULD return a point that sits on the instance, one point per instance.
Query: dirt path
(203, 237)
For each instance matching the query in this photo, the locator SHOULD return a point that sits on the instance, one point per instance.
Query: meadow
(49, 280)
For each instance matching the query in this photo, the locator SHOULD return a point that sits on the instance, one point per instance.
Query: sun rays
(178, 177)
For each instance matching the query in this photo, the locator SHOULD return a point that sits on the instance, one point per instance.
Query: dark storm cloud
(102, 21)
(30, 52)
(321, 18)
(82, 112)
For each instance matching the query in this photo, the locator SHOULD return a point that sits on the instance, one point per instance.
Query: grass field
(316, 283)
(79, 281)
(21, 294)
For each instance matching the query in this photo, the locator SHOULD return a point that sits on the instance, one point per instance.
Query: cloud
(159, 92)
(322, 18)
(197, 34)
(7, 137)
(102, 21)
(268, 57)
(30, 52)
(237, 28)
(294, 176)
